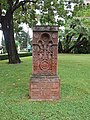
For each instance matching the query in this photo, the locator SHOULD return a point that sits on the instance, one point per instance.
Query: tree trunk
(7, 27)
(78, 42)
(68, 40)
(66, 50)
(60, 50)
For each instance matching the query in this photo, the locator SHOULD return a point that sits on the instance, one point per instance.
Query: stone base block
(44, 88)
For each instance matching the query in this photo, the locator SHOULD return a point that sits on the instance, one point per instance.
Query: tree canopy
(76, 37)
(31, 12)
(7, 16)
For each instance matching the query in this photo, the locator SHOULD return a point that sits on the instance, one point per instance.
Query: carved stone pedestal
(45, 83)
(45, 88)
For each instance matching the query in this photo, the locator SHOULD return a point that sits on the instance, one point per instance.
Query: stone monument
(44, 83)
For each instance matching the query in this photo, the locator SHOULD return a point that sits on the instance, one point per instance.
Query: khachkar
(44, 83)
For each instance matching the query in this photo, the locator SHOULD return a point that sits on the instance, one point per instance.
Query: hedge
(4, 57)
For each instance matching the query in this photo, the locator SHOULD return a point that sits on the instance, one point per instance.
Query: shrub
(4, 57)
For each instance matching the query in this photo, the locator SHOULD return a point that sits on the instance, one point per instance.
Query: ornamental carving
(44, 53)
(45, 83)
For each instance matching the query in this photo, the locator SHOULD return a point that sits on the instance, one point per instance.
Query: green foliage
(83, 13)
(23, 38)
(77, 1)
(4, 5)
(44, 11)
(84, 48)
(5, 56)
(26, 15)
(74, 104)
(17, 43)
(76, 36)
(86, 22)
(49, 10)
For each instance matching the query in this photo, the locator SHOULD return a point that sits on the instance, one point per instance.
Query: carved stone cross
(45, 84)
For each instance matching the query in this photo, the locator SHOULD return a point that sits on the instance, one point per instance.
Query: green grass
(74, 71)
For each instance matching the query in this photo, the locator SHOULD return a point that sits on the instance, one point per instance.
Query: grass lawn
(74, 71)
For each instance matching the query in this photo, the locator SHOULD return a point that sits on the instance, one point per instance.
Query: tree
(84, 16)
(52, 12)
(77, 30)
(74, 36)
(49, 12)
(20, 11)
(23, 38)
(7, 9)
(82, 34)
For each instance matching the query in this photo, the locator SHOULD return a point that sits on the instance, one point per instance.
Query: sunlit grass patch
(74, 73)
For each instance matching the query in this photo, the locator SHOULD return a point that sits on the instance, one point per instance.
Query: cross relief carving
(43, 55)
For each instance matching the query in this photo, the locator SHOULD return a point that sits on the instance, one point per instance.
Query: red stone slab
(44, 71)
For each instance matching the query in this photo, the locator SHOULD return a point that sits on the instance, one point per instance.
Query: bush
(83, 49)
(4, 57)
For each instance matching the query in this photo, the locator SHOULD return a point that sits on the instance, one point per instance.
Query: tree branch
(0, 13)
(17, 1)
(18, 4)
(10, 3)
(78, 42)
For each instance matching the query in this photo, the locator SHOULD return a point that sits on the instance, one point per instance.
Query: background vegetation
(57, 12)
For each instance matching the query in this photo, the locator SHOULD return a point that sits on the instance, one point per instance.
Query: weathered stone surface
(45, 88)
(45, 51)
(45, 28)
